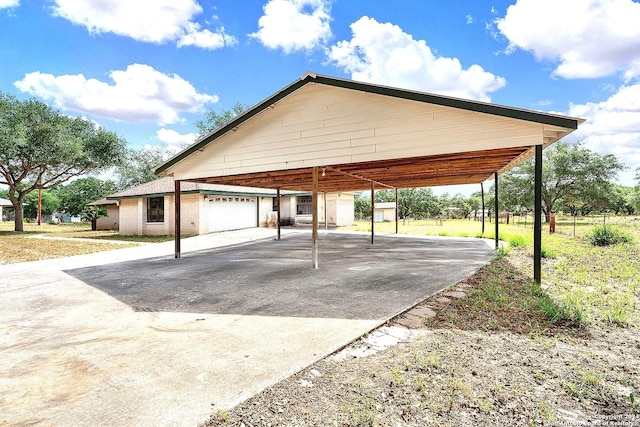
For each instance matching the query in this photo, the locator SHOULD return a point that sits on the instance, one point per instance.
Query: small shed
(384, 211)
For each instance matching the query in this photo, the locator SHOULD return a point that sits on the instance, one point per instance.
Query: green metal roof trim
(464, 104)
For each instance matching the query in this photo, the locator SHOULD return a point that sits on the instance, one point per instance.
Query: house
(112, 220)
(4, 203)
(148, 209)
(384, 211)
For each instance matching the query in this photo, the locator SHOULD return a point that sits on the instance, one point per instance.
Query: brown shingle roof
(166, 185)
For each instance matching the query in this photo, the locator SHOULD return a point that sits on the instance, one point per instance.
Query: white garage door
(232, 213)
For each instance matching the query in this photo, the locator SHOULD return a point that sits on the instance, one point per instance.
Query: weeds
(604, 235)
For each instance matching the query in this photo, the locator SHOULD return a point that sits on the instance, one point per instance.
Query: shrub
(547, 253)
(517, 241)
(603, 235)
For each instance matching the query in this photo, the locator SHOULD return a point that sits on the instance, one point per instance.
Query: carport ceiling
(358, 134)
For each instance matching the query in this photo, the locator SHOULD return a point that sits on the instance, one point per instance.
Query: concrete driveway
(134, 337)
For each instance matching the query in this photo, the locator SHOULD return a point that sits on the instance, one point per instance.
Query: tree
(138, 166)
(49, 204)
(362, 206)
(635, 195)
(42, 148)
(75, 196)
(412, 202)
(571, 174)
(214, 120)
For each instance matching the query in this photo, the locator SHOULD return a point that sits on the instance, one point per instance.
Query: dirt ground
(483, 368)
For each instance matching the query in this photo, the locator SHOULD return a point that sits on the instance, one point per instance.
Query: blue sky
(148, 69)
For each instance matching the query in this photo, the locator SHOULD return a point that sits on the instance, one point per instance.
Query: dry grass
(27, 246)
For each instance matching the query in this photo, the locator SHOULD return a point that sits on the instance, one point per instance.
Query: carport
(323, 134)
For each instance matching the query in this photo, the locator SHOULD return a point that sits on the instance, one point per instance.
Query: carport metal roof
(324, 134)
(360, 133)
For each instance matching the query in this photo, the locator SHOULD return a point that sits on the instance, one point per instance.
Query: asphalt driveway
(149, 340)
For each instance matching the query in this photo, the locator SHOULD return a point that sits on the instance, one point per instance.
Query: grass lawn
(588, 283)
(27, 246)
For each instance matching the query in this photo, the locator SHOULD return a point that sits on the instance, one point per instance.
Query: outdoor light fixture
(324, 171)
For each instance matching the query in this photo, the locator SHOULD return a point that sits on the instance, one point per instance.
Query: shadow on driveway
(356, 280)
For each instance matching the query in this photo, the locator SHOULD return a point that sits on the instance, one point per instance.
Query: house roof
(361, 134)
(166, 186)
(5, 203)
(102, 202)
(385, 205)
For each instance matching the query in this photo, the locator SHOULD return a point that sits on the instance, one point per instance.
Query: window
(304, 205)
(155, 209)
(274, 206)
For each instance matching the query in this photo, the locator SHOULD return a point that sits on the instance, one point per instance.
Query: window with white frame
(304, 205)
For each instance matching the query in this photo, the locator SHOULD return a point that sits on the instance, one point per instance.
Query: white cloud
(176, 141)
(384, 54)
(589, 38)
(138, 93)
(613, 127)
(206, 39)
(152, 21)
(294, 25)
(469, 19)
(5, 4)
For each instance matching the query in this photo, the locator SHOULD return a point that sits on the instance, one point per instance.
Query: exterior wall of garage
(111, 221)
(195, 213)
(133, 216)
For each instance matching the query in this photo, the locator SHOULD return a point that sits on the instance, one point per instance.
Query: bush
(603, 235)
(517, 241)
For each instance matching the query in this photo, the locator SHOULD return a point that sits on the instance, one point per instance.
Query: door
(232, 213)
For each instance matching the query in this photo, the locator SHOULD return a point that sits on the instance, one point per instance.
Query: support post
(397, 210)
(326, 227)
(373, 210)
(278, 212)
(177, 219)
(537, 220)
(314, 219)
(495, 207)
(482, 195)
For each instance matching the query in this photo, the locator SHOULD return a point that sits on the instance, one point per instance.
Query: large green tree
(213, 120)
(49, 204)
(75, 196)
(413, 202)
(42, 148)
(138, 166)
(571, 174)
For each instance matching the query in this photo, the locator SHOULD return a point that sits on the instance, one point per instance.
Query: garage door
(232, 213)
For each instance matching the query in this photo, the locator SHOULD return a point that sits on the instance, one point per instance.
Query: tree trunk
(547, 212)
(19, 211)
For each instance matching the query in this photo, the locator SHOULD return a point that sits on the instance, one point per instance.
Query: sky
(148, 69)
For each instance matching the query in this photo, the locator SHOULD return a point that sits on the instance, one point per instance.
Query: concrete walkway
(74, 352)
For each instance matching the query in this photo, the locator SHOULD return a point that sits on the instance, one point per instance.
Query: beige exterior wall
(385, 214)
(111, 221)
(195, 214)
(339, 212)
(288, 207)
(344, 208)
(190, 208)
(320, 125)
(267, 217)
(133, 216)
